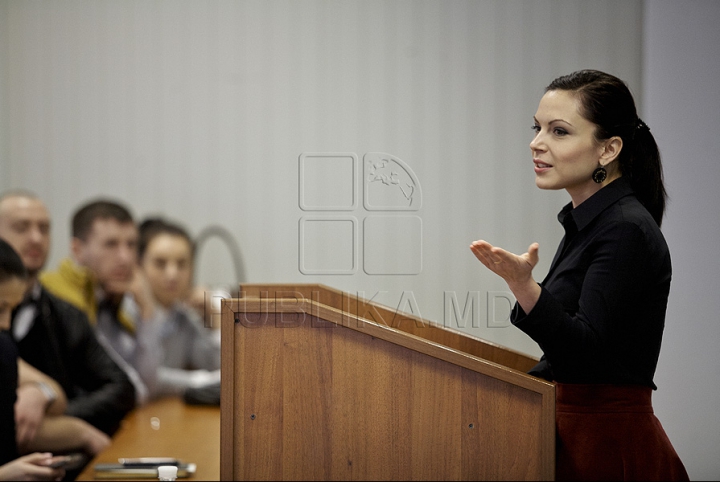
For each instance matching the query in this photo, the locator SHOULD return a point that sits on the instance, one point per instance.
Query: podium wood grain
(312, 391)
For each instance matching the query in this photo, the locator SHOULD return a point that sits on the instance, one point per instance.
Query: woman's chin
(543, 183)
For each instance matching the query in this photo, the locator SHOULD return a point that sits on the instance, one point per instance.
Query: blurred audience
(190, 353)
(102, 279)
(56, 340)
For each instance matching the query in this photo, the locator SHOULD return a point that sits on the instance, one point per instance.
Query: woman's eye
(536, 128)
(559, 131)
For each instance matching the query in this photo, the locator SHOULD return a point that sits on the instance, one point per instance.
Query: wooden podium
(318, 384)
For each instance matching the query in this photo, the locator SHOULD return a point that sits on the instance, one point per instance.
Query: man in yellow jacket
(101, 279)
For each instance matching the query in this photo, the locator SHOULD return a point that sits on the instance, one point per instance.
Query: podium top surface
(347, 310)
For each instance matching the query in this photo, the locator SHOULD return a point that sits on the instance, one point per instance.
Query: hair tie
(642, 125)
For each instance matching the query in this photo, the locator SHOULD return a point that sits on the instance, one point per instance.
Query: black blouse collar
(597, 203)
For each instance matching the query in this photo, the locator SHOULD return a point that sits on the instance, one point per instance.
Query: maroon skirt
(609, 432)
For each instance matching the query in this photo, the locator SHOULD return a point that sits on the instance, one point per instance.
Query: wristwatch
(48, 392)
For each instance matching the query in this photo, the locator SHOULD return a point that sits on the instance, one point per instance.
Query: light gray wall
(682, 107)
(205, 111)
(4, 121)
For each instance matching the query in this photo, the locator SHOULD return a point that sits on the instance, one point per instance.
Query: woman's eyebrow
(554, 120)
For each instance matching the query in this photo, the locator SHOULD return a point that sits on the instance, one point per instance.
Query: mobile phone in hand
(148, 461)
(67, 462)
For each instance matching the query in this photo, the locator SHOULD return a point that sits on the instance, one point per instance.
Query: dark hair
(607, 102)
(152, 227)
(84, 217)
(11, 266)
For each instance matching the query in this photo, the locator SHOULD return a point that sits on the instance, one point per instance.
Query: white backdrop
(216, 112)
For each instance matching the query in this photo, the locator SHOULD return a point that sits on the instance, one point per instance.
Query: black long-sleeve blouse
(601, 311)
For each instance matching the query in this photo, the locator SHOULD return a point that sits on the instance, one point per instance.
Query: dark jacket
(63, 345)
(8, 387)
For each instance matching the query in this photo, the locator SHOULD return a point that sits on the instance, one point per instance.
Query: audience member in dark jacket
(98, 391)
(55, 337)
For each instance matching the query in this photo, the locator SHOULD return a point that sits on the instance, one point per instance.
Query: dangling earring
(599, 175)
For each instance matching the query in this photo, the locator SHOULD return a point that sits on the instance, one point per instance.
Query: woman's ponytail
(644, 168)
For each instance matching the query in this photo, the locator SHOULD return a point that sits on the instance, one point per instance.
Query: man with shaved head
(55, 337)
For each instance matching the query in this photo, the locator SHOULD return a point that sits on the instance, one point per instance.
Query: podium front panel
(314, 400)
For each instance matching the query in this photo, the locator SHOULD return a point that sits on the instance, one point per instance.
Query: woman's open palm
(511, 267)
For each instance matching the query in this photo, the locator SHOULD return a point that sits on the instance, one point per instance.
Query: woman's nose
(536, 144)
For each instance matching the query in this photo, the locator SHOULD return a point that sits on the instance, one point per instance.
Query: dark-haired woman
(190, 352)
(599, 313)
(33, 466)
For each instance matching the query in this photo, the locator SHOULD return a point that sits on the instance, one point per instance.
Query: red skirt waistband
(598, 398)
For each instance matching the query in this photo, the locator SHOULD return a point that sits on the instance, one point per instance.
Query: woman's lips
(541, 166)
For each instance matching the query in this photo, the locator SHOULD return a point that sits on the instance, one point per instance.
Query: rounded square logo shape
(328, 181)
(328, 245)
(392, 245)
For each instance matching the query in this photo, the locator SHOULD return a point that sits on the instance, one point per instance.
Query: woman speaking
(598, 315)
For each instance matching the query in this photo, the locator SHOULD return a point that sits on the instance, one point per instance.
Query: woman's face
(12, 291)
(167, 265)
(564, 149)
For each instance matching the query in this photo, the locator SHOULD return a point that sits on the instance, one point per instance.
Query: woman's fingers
(505, 264)
(483, 252)
(493, 254)
(491, 257)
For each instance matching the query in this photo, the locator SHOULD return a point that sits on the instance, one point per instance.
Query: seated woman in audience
(12, 467)
(190, 355)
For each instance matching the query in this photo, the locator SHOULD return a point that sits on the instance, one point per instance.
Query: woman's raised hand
(510, 267)
(515, 269)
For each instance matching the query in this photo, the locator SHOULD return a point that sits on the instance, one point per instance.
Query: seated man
(55, 337)
(100, 279)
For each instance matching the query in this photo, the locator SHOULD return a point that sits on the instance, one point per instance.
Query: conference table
(167, 428)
